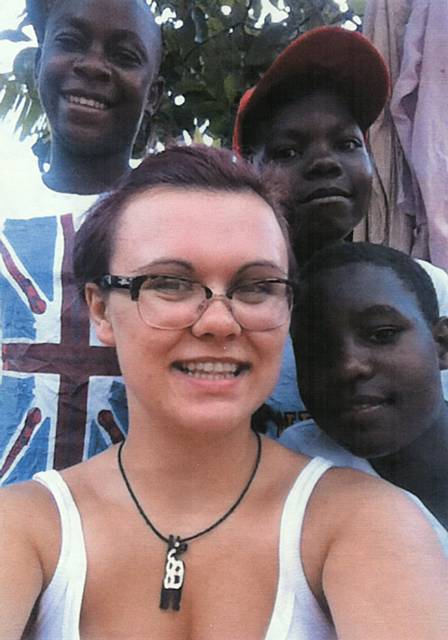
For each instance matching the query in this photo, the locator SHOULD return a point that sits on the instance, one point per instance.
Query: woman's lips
(211, 369)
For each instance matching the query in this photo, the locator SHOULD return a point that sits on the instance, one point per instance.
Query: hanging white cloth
(419, 111)
(384, 24)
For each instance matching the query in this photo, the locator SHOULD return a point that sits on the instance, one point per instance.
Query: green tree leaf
(211, 58)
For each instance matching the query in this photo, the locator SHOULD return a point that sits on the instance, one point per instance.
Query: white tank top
(296, 614)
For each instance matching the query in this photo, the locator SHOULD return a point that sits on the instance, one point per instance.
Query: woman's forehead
(195, 222)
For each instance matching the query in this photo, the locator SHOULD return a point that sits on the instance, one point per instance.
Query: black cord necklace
(173, 580)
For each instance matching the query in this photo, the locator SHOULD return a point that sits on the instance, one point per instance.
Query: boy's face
(367, 360)
(320, 147)
(94, 75)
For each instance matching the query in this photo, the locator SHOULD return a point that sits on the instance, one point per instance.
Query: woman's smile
(211, 369)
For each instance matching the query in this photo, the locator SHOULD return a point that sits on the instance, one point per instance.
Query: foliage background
(214, 51)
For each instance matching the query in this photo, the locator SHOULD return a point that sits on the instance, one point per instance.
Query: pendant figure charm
(173, 580)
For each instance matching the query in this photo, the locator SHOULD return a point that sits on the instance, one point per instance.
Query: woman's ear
(440, 333)
(99, 314)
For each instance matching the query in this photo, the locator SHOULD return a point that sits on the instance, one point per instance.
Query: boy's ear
(440, 333)
(155, 96)
(99, 314)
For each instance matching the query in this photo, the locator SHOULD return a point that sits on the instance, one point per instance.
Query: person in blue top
(309, 115)
(370, 344)
(97, 74)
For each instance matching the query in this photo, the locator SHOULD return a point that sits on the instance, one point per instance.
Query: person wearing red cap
(309, 114)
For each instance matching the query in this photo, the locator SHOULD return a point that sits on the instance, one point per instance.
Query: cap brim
(346, 57)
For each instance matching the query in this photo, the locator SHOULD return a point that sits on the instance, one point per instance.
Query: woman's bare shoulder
(30, 531)
(93, 482)
(281, 466)
(349, 499)
(27, 505)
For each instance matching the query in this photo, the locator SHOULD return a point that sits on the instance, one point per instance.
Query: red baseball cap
(345, 57)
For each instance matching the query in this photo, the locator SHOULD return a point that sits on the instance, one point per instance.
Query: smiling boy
(309, 116)
(97, 76)
(370, 344)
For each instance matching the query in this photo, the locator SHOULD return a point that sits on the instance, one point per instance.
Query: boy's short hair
(185, 167)
(327, 57)
(38, 12)
(411, 274)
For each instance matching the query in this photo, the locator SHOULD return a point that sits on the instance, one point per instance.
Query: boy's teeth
(87, 102)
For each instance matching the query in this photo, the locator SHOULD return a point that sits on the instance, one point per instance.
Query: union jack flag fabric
(61, 400)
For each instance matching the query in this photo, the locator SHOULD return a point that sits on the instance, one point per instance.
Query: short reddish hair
(191, 167)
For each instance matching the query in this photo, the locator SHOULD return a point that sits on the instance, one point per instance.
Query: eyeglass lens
(175, 304)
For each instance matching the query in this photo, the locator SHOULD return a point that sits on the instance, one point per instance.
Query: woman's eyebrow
(266, 264)
(165, 262)
(188, 267)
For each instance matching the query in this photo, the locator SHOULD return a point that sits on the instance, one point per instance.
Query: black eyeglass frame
(135, 283)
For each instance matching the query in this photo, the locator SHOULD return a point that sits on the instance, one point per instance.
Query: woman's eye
(256, 292)
(255, 287)
(169, 286)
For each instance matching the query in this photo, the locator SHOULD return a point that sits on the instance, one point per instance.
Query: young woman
(197, 527)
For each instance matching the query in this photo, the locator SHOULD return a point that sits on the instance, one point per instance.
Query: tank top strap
(296, 610)
(60, 604)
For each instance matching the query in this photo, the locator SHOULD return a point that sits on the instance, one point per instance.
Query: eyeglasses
(170, 302)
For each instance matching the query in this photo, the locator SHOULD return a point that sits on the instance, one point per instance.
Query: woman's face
(321, 149)
(182, 376)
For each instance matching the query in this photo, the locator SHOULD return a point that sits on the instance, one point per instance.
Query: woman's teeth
(211, 370)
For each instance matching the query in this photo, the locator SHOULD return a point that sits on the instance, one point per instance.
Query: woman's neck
(84, 174)
(189, 479)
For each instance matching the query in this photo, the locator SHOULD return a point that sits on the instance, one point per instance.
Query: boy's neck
(422, 467)
(306, 246)
(85, 174)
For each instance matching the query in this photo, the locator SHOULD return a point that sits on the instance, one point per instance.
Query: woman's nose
(218, 320)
